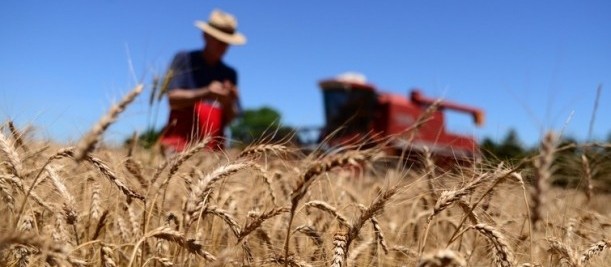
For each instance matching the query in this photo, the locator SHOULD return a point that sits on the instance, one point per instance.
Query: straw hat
(222, 26)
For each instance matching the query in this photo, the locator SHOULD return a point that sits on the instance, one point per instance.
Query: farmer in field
(202, 91)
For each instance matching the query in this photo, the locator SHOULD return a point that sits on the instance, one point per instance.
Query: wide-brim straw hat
(222, 26)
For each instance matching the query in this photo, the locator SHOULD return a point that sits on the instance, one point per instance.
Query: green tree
(262, 124)
(510, 148)
(146, 139)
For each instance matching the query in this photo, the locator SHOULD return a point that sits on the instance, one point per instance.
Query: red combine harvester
(355, 111)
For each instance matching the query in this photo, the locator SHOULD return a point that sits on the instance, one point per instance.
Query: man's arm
(182, 98)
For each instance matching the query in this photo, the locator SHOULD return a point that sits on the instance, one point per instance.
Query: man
(202, 92)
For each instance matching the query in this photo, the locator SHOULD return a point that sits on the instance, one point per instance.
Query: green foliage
(509, 149)
(260, 124)
(146, 139)
(571, 166)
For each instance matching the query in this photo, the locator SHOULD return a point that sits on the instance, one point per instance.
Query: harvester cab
(357, 113)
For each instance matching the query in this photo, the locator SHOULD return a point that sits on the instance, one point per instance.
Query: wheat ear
(503, 256)
(166, 233)
(262, 148)
(447, 198)
(108, 173)
(585, 163)
(347, 158)
(310, 232)
(135, 169)
(340, 249)
(592, 251)
(258, 221)
(7, 147)
(563, 251)
(542, 176)
(89, 141)
(368, 213)
(443, 258)
(17, 136)
(204, 184)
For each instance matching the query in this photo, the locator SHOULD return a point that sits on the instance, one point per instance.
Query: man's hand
(218, 90)
(224, 92)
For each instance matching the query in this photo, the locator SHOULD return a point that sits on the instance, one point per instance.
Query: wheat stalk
(326, 207)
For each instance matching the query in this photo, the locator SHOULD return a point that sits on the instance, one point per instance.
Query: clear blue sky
(528, 64)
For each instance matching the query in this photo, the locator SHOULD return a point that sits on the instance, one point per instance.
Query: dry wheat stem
(326, 207)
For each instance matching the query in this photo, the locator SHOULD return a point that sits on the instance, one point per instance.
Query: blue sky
(531, 65)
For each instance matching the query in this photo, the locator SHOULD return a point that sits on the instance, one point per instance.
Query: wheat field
(270, 205)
